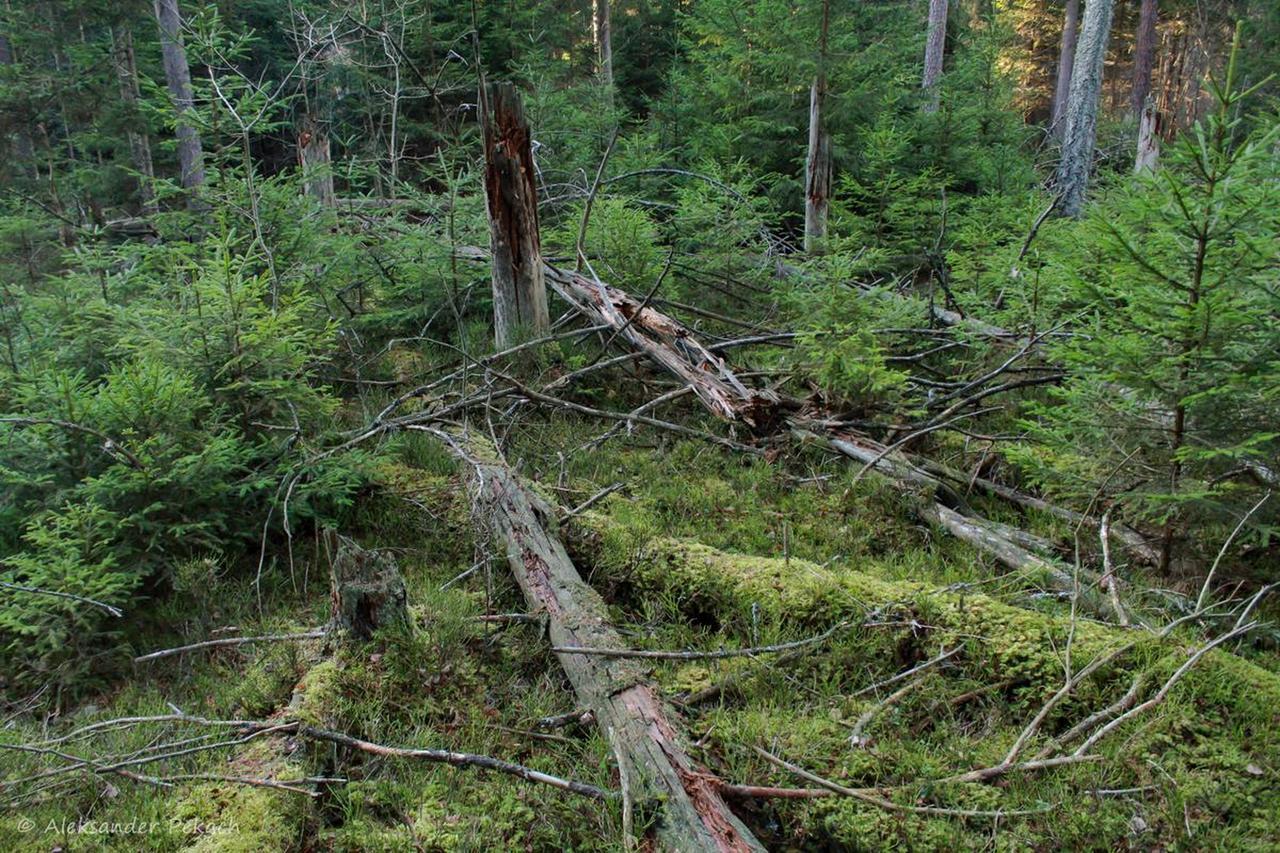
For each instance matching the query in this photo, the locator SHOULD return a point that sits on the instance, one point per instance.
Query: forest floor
(698, 548)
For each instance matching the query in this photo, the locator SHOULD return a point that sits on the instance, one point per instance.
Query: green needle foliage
(1174, 389)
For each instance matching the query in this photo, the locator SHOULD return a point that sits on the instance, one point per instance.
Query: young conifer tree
(1174, 397)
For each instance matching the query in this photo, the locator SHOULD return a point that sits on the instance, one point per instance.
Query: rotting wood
(675, 348)
(672, 346)
(690, 813)
(367, 590)
(519, 292)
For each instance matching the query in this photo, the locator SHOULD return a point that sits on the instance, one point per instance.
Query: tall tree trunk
(817, 166)
(519, 289)
(1066, 58)
(1148, 153)
(139, 141)
(603, 37)
(24, 151)
(933, 52)
(314, 159)
(1079, 136)
(178, 76)
(1144, 55)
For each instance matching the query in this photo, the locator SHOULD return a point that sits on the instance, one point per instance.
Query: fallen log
(675, 348)
(690, 813)
(672, 346)
(1132, 541)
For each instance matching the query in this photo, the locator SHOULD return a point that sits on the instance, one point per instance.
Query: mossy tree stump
(367, 591)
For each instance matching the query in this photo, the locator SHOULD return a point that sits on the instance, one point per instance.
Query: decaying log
(519, 293)
(367, 591)
(689, 812)
(675, 348)
(672, 346)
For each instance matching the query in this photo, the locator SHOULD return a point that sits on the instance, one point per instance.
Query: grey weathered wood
(817, 164)
(314, 159)
(177, 75)
(1147, 155)
(126, 66)
(658, 775)
(933, 50)
(817, 170)
(676, 349)
(669, 344)
(519, 291)
(1144, 55)
(603, 36)
(1080, 132)
(1066, 58)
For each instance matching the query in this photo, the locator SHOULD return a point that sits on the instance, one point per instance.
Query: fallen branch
(457, 759)
(35, 590)
(867, 795)
(880, 685)
(230, 641)
(718, 654)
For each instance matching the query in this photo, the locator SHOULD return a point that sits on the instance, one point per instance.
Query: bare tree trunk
(314, 159)
(24, 151)
(1148, 154)
(657, 775)
(139, 141)
(1066, 58)
(603, 37)
(817, 182)
(1079, 136)
(933, 52)
(817, 167)
(519, 288)
(178, 76)
(1144, 55)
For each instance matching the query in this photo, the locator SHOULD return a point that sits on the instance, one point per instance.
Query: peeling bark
(519, 292)
(1147, 156)
(660, 777)
(314, 159)
(817, 170)
(672, 346)
(817, 166)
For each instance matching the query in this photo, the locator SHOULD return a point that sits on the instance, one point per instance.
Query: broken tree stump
(659, 777)
(367, 591)
(519, 290)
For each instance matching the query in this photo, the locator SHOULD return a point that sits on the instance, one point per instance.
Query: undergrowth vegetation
(207, 393)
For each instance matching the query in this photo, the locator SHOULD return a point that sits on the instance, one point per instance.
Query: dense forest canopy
(653, 424)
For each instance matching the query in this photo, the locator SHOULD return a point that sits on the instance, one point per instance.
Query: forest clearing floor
(699, 548)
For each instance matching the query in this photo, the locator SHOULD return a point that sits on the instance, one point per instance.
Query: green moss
(226, 817)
